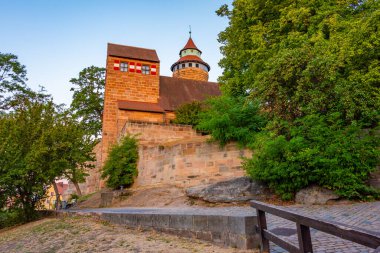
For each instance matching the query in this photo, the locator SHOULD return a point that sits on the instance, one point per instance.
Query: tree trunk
(58, 197)
(79, 192)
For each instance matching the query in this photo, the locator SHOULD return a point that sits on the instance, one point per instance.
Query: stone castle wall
(151, 134)
(126, 86)
(189, 162)
(175, 155)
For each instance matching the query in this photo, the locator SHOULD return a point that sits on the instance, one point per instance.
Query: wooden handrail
(304, 223)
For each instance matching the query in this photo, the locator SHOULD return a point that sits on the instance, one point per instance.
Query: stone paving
(363, 215)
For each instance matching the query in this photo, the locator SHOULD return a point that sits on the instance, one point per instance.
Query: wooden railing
(304, 223)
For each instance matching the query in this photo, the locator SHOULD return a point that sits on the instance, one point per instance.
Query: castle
(135, 91)
(139, 101)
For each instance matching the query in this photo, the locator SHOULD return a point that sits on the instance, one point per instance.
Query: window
(190, 64)
(145, 69)
(124, 66)
(183, 65)
(196, 65)
(177, 67)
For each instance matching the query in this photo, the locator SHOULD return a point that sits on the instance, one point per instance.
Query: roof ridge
(109, 43)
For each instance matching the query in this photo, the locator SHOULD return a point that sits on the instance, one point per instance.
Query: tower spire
(190, 65)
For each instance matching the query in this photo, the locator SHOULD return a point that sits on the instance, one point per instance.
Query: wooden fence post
(304, 238)
(262, 224)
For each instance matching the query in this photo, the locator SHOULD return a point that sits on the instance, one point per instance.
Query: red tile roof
(136, 53)
(62, 187)
(139, 106)
(177, 91)
(190, 45)
(189, 58)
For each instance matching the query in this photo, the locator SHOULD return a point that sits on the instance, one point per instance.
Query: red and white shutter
(116, 65)
(153, 70)
(138, 67)
(131, 67)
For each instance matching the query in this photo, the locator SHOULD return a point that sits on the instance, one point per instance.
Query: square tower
(132, 77)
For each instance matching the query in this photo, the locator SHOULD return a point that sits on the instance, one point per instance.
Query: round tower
(190, 65)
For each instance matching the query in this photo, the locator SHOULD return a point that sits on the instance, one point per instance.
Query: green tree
(79, 155)
(22, 180)
(188, 114)
(66, 150)
(231, 119)
(314, 68)
(319, 150)
(88, 98)
(120, 168)
(12, 73)
(13, 88)
(303, 57)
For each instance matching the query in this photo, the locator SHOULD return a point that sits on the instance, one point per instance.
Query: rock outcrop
(235, 190)
(315, 195)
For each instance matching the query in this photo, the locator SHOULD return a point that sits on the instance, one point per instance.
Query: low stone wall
(228, 228)
(189, 162)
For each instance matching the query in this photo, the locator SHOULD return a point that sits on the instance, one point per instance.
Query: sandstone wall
(191, 73)
(189, 162)
(126, 86)
(175, 155)
(150, 134)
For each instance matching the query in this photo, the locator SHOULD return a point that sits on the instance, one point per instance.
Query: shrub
(231, 119)
(120, 168)
(316, 150)
(188, 114)
(9, 218)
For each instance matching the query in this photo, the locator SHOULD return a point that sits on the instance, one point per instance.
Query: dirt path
(84, 234)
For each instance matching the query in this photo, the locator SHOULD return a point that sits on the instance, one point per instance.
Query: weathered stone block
(144, 220)
(204, 235)
(160, 221)
(217, 223)
(200, 223)
(181, 221)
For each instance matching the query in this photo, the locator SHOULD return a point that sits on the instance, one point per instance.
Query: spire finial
(190, 30)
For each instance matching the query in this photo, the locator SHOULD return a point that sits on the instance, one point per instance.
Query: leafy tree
(320, 150)
(68, 148)
(231, 119)
(120, 168)
(188, 114)
(314, 68)
(303, 57)
(88, 98)
(22, 180)
(12, 73)
(79, 155)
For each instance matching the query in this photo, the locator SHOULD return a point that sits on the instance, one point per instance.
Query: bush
(316, 150)
(231, 119)
(120, 168)
(9, 218)
(188, 114)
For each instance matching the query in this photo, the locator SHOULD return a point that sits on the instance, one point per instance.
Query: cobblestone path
(364, 215)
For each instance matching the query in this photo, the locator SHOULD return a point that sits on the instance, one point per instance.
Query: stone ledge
(230, 230)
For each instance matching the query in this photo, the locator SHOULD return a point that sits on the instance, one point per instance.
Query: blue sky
(56, 39)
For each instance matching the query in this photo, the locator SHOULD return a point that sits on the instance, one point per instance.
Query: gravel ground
(85, 234)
